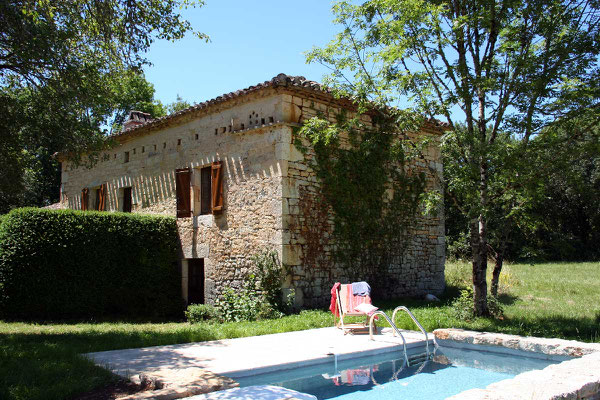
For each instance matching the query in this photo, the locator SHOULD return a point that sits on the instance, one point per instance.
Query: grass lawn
(41, 361)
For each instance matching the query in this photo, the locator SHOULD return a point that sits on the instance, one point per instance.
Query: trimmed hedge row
(63, 264)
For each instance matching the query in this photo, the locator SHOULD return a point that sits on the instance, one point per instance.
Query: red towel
(333, 304)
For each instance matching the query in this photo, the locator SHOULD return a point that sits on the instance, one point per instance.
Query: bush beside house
(59, 264)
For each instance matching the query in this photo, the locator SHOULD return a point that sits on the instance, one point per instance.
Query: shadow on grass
(46, 365)
(581, 329)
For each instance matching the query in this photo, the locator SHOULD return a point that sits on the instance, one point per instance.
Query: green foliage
(201, 312)
(88, 265)
(462, 306)
(178, 105)
(508, 71)
(366, 180)
(261, 295)
(43, 361)
(268, 278)
(243, 304)
(69, 70)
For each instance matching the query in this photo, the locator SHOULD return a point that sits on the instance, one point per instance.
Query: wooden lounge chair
(346, 303)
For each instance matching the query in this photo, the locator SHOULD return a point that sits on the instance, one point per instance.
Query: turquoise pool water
(386, 377)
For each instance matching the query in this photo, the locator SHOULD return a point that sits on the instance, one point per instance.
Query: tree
(178, 105)
(38, 122)
(511, 66)
(69, 70)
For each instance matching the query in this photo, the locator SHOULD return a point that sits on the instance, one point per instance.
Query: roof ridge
(280, 80)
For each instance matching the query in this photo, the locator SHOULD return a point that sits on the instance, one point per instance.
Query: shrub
(462, 306)
(60, 264)
(261, 295)
(239, 305)
(200, 312)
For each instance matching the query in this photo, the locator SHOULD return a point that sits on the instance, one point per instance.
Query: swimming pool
(450, 372)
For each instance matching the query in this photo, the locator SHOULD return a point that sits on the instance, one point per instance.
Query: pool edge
(578, 378)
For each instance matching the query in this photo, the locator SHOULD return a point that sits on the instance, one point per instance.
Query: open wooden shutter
(217, 188)
(84, 199)
(182, 188)
(102, 198)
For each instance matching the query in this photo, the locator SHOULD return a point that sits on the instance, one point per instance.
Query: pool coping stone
(577, 378)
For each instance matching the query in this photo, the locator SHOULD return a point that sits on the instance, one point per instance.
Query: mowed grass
(43, 361)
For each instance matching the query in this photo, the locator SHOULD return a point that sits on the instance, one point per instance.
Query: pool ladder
(395, 330)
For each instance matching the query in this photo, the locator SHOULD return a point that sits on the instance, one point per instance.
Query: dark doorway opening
(195, 280)
(127, 199)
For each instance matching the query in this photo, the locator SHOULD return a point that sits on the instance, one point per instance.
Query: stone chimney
(136, 118)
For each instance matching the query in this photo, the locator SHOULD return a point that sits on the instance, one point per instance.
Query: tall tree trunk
(504, 236)
(496, 273)
(479, 251)
(480, 248)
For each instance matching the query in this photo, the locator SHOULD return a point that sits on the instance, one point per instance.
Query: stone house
(229, 171)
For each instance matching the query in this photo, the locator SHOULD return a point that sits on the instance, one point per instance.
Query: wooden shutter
(102, 198)
(182, 188)
(84, 199)
(217, 188)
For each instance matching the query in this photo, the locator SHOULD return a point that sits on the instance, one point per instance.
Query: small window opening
(271, 120)
(216, 130)
(223, 129)
(126, 156)
(262, 121)
(143, 149)
(178, 142)
(154, 147)
(243, 127)
(164, 145)
(196, 136)
(133, 151)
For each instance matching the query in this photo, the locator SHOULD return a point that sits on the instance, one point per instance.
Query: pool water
(387, 377)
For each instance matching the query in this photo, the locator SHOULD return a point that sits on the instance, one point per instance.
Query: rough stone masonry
(242, 143)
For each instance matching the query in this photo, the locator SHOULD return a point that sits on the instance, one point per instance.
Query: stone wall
(251, 221)
(267, 183)
(308, 226)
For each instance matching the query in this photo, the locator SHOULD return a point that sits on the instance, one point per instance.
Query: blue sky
(251, 41)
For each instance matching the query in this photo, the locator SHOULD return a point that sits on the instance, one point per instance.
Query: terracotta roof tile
(143, 120)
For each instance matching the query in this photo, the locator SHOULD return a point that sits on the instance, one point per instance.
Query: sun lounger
(348, 304)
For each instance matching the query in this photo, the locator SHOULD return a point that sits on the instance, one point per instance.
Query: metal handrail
(379, 312)
(416, 323)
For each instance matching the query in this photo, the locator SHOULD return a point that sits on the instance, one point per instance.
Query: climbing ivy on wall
(365, 179)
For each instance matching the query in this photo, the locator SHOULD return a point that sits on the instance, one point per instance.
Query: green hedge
(63, 264)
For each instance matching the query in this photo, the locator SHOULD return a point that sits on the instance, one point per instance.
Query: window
(208, 191)
(127, 199)
(126, 157)
(205, 191)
